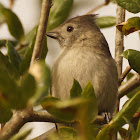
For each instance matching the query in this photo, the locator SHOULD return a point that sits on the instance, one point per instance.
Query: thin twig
(130, 85)
(24, 116)
(124, 74)
(46, 5)
(96, 8)
(11, 3)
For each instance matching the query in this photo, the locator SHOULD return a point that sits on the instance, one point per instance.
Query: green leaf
(130, 26)
(13, 55)
(123, 133)
(9, 90)
(67, 133)
(44, 49)
(106, 21)
(58, 13)
(67, 110)
(3, 42)
(118, 121)
(132, 6)
(28, 88)
(132, 130)
(30, 35)
(5, 65)
(21, 136)
(138, 129)
(24, 65)
(133, 57)
(76, 89)
(13, 22)
(42, 74)
(132, 93)
(92, 107)
(5, 114)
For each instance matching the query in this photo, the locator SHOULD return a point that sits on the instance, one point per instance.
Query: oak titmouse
(84, 56)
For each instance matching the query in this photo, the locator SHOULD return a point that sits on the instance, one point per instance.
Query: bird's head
(74, 29)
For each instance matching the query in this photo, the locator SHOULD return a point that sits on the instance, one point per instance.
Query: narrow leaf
(13, 22)
(5, 65)
(75, 90)
(132, 130)
(3, 42)
(24, 65)
(13, 55)
(92, 107)
(106, 21)
(59, 8)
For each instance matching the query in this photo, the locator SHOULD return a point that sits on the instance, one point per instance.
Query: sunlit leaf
(132, 130)
(67, 133)
(130, 26)
(130, 5)
(42, 74)
(106, 21)
(92, 110)
(13, 55)
(13, 22)
(138, 129)
(28, 88)
(3, 42)
(24, 65)
(133, 57)
(118, 121)
(21, 136)
(67, 110)
(59, 12)
(76, 89)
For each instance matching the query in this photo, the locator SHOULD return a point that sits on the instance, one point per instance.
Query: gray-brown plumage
(84, 56)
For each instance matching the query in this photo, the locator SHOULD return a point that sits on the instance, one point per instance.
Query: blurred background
(28, 12)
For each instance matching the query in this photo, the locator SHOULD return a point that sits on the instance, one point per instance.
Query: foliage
(21, 88)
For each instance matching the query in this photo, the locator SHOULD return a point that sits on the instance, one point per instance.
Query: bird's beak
(53, 34)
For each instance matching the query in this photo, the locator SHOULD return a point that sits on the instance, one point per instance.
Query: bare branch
(24, 116)
(124, 74)
(119, 40)
(130, 85)
(96, 8)
(46, 5)
(11, 3)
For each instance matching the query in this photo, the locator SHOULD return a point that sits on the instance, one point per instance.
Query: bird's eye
(70, 28)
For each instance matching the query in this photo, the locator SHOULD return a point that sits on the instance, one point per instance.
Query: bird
(84, 56)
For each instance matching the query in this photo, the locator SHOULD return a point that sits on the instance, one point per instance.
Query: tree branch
(22, 117)
(130, 85)
(119, 40)
(98, 7)
(124, 74)
(46, 5)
